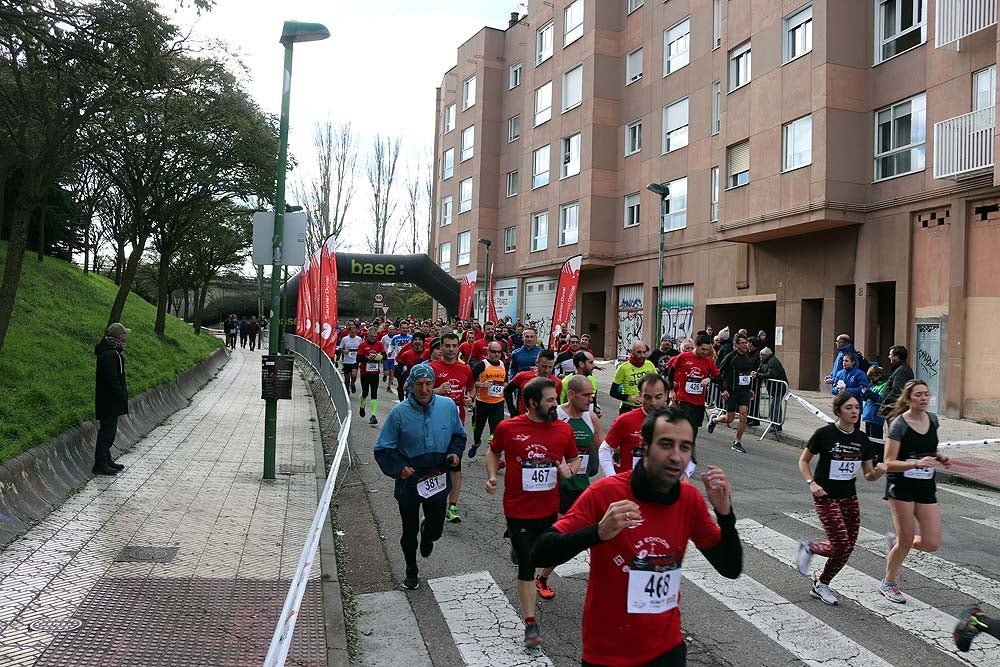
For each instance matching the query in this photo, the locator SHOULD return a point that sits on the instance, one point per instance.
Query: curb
(37, 481)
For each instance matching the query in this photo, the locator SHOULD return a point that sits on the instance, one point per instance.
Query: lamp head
(297, 31)
(659, 189)
(486, 242)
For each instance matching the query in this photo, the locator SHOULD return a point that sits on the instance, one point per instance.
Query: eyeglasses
(495, 351)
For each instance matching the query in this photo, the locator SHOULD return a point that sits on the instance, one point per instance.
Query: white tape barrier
(954, 444)
(811, 408)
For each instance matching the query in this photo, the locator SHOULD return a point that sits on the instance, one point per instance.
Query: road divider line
(989, 523)
(981, 497)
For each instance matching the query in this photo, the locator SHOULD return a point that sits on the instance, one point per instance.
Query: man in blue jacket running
(421, 441)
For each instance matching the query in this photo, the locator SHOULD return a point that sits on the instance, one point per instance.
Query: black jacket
(900, 375)
(111, 392)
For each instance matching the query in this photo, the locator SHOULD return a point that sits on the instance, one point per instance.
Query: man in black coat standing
(110, 396)
(901, 373)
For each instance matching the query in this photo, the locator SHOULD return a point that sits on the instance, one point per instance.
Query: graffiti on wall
(929, 358)
(677, 321)
(629, 322)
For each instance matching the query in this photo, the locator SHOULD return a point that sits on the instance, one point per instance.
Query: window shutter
(739, 158)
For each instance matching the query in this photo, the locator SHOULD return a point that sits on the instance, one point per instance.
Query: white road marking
(579, 564)
(924, 622)
(388, 631)
(935, 568)
(486, 628)
(981, 496)
(989, 523)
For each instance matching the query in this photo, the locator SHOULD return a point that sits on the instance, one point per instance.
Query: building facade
(826, 167)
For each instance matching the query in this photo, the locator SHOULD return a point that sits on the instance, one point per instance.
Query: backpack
(863, 364)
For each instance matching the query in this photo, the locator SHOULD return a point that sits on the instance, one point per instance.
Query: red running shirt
(458, 376)
(369, 350)
(689, 370)
(625, 435)
(533, 451)
(523, 378)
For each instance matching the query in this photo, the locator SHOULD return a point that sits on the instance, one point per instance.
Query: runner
(588, 433)
(349, 344)
(490, 377)
(625, 434)
(544, 364)
(536, 447)
(454, 379)
(738, 369)
(689, 373)
(583, 361)
(370, 355)
(625, 386)
(406, 359)
(842, 450)
(631, 614)
(564, 360)
(971, 622)
(421, 438)
(910, 456)
(523, 358)
(389, 362)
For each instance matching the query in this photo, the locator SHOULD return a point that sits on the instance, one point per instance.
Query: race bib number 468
(651, 590)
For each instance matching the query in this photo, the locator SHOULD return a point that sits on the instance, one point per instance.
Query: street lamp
(291, 32)
(664, 192)
(486, 307)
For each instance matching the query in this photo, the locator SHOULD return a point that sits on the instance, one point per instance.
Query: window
(444, 255)
(984, 88)
(543, 104)
(572, 88)
(676, 47)
(510, 239)
(716, 24)
(716, 106)
(512, 183)
(448, 164)
(570, 156)
(675, 125)
(798, 34)
(900, 137)
(633, 137)
(464, 249)
(573, 22)
(632, 209)
(446, 210)
(739, 66)
(468, 142)
(739, 164)
(468, 92)
(633, 5)
(539, 231)
(569, 223)
(796, 142)
(900, 25)
(540, 167)
(513, 128)
(543, 42)
(633, 66)
(675, 205)
(515, 75)
(465, 196)
(449, 118)
(713, 209)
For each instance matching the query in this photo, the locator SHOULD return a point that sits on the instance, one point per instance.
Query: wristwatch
(809, 481)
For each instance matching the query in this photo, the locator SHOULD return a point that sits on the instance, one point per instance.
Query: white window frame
(576, 99)
(544, 41)
(541, 157)
(444, 256)
(713, 195)
(449, 117)
(795, 26)
(572, 31)
(465, 187)
(513, 128)
(990, 75)
(631, 74)
(742, 177)
(716, 24)
(634, 202)
(633, 5)
(513, 183)
(543, 114)
(447, 210)
(569, 223)
(791, 133)
(740, 63)
(918, 105)
(571, 148)
(448, 164)
(678, 34)
(464, 249)
(633, 137)
(469, 92)
(716, 107)
(509, 239)
(468, 143)
(919, 18)
(515, 75)
(675, 205)
(675, 132)
(539, 231)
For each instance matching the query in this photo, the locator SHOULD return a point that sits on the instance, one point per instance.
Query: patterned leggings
(841, 519)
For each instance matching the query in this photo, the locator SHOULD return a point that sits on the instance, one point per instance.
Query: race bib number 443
(841, 471)
(651, 590)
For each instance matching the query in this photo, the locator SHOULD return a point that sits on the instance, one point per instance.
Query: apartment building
(826, 167)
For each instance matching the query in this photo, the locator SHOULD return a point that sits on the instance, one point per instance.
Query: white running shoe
(892, 592)
(822, 591)
(804, 557)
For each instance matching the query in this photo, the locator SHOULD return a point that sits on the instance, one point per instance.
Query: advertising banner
(466, 294)
(562, 312)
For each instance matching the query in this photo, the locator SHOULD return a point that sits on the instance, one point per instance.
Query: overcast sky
(378, 70)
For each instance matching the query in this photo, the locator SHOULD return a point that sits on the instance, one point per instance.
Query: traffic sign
(379, 298)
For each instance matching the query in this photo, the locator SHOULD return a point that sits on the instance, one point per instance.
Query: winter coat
(771, 369)
(111, 392)
(901, 374)
(873, 403)
(855, 379)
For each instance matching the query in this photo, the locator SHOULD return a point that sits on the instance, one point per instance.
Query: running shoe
(711, 425)
(738, 447)
(411, 583)
(426, 546)
(967, 628)
(822, 591)
(373, 420)
(532, 637)
(544, 590)
(890, 539)
(362, 410)
(452, 515)
(892, 592)
(474, 449)
(804, 557)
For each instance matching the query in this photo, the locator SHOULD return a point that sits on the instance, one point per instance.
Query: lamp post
(486, 306)
(291, 32)
(664, 192)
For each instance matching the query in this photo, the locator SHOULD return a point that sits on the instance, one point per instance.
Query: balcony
(963, 146)
(956, 19)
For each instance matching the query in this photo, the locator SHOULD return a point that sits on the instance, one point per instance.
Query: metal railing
(964, 144)
(955, 19)
(769, 405)
(324, 367)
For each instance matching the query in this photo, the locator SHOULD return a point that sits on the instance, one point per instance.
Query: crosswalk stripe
(579, 564)
(972, 495)
(989, 523)
(918, 618)
(935, 568)
(805, 636)
(484, 625)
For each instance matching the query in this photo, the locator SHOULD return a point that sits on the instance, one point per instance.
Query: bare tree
(381, 177)
(429, 189)
(413, 198)
(327, 197)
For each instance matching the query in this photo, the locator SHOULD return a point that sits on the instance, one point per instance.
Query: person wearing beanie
(110, 395)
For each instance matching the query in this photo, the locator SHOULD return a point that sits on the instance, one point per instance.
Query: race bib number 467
(538, 479)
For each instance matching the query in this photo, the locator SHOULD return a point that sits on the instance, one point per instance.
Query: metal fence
(769, 405)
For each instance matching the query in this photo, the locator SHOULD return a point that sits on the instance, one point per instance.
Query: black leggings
(369, 385)
(486, 412)
(409, 512)
(401, 376)
(675, 657)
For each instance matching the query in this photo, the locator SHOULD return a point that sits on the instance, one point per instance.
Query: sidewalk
(216, 544)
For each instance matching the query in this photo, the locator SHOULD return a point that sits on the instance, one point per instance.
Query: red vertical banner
(466, 295)
(489, 296)
(315, 283)
(569, 281)
(328, 329)
(303, 310)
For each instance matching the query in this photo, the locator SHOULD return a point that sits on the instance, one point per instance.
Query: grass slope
(47, 362)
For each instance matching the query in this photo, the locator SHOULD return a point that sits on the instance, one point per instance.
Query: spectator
(110, 396)
(844, 346)
(725, 343)
(244, 331)
(771, 369)
(663, 354)
(873, 403)
(900, 374)
(253, 332)
(850, 378)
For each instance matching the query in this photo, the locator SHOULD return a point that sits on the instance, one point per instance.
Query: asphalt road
(767, 489)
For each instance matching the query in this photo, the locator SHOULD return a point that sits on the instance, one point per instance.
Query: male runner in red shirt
(544, 364)
(690, 373)
(454, 379)
(625, 433)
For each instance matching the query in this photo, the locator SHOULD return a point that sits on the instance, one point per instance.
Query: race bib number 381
(431, 486)
(651, 589)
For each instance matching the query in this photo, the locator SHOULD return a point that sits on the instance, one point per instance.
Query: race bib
(652, 589)
(431, 486)
(496, 390)
(693, 387)
(920, 473)
(744, 380)
(584, 459)
(539, 479)
(372, 367)
(841, 471)
(351, 357)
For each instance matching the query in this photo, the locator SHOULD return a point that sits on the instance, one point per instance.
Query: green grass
(47, 362)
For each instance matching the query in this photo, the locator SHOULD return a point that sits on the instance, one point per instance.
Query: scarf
(115, 343)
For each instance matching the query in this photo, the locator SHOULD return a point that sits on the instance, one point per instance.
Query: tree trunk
(119, 262)
(42, 210)
(200, 294)
(16, 248)
(127, 278)
(187, 304)
(162, 293)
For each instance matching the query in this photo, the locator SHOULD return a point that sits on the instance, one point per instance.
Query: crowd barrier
(768, 406)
